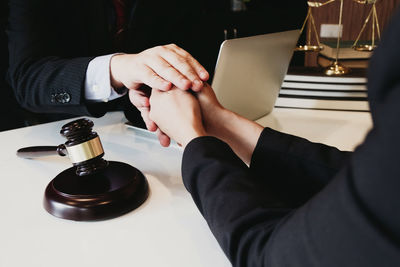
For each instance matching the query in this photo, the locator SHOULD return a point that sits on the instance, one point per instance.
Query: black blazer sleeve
(48, 56)
(296, 168)
(348, 223)
(352, 221)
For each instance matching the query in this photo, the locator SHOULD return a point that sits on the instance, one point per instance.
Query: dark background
(11, 116)
(252, 21)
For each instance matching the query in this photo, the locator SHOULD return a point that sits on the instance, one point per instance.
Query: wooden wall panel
(354, 15)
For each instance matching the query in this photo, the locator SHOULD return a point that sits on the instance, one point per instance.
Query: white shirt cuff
(97, 83)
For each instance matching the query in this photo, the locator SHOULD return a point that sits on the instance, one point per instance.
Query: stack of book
(347, 55)
(309, 88)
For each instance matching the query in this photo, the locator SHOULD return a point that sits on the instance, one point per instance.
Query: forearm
(299, 168)
(296, 168)
(230, 201)
(47, 62)
(254, 228)
(50, 84)
(240, 133)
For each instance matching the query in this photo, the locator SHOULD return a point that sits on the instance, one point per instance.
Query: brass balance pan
(309, 48)
(365, 48)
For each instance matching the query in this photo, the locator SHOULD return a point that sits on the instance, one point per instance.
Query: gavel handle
(41, 151)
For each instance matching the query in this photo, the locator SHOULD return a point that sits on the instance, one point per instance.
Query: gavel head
(84, 147)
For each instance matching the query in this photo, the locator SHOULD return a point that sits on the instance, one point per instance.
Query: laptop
(249, 74)
(250, 71)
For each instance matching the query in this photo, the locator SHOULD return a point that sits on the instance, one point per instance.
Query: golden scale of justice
(337, 69)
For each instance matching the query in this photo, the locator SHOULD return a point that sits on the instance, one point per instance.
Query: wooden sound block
(116, 190)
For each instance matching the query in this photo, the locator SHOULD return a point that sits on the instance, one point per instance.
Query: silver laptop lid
(250, 71)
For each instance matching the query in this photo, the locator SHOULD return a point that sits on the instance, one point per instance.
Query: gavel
(93, 189)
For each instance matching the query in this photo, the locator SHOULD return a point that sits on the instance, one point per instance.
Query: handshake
(168, 69)
(181, 105)
(184, 115)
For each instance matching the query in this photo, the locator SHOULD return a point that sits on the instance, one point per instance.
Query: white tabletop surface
(342, 129)
(167, 230)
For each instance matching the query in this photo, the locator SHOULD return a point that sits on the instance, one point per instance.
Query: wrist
(217, 124)
(194, 133)
(115, 70)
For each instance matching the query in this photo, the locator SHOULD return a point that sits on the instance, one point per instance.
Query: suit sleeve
(296, 168)
(46, 70)
(255, 227)
(228, 197)
(352, 221)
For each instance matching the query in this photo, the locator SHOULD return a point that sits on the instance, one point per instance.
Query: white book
(322, 93)
(322, 104)
(324, 79)
(324, 86)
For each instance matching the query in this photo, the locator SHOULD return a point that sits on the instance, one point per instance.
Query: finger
(150, 125)
(185, 67)
(169, 73)
(152, 79)
(138, 99)
(142, 103)
(201, 71)
(154, 95)
(163, 138)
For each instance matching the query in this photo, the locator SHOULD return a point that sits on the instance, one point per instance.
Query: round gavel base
(118, 189)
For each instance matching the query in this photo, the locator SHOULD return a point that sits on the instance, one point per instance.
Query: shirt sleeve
(97, 83)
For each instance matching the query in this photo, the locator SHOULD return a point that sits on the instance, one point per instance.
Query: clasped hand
(185, 115)
(162, 67)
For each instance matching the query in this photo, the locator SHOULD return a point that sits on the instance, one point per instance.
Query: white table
(167, 230)
(342, 129)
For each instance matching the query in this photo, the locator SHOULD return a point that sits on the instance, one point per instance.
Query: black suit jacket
(11, 115)
(307, 204)
(52, 42)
